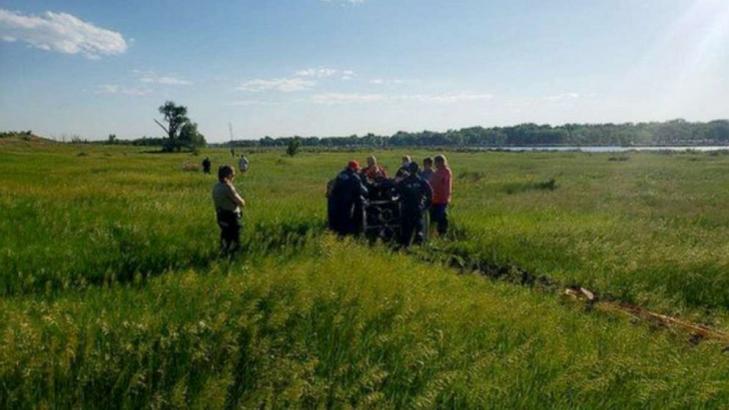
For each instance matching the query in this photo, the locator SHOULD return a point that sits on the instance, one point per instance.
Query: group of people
(420, 192)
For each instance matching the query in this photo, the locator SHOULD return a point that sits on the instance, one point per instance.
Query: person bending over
(228, 204)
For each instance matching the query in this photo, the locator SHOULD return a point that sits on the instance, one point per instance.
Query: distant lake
(705, 148)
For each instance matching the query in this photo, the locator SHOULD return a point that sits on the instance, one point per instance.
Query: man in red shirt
(442, 183)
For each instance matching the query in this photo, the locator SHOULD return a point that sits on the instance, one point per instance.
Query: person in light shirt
(243, 164)
(228, 205)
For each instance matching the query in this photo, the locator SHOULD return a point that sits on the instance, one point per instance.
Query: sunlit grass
(339, 324)
(112, 290)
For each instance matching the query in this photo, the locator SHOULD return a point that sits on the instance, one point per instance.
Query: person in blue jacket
(415, 198)
(346, 197)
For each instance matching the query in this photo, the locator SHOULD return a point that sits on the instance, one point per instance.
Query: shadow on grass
(519, 187)
(132, 262)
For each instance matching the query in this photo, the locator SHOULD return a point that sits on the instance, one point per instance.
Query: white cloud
(301, 81)
(151, 77)
(347, 98)
(382, 81)
(317, 72)
(118, 89)
(450, 98)
(60, 32)
(563, 97)
(285, 85)
(164, 80)
(252, 102)
(325, 72)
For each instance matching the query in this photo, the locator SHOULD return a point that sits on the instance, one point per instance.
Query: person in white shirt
(243, 164)
(228, 204)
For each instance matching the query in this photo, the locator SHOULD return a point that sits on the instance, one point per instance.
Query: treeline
(16, 134)
(675, 132)
(139, 142)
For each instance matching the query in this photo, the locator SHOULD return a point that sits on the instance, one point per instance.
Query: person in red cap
(346, 199)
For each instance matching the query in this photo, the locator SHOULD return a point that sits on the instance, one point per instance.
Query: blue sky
(338, 67)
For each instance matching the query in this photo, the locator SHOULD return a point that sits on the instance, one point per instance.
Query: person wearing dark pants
(206, 165)
(412, 229)
(346, 201)
(228, 204)
(415, 197)
(439, 217)
(442, 182)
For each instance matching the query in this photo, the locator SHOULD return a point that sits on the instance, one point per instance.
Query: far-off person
(206, 165)
(228, 204)
(243, 164)
(442, 183)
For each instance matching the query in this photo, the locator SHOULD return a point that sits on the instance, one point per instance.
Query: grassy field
(111, 291)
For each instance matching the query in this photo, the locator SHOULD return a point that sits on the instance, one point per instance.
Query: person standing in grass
(228, 204)
(206, 165)
(415, 197)
(427, 171)
(442, 183)
(346, 199)
(243, 164)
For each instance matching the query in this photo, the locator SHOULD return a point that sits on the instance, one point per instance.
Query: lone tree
(294, 146)
(181, 132)
(190, 137)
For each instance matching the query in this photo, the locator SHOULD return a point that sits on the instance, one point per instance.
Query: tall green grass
(339, 325)
(651, 229)
(111, 289)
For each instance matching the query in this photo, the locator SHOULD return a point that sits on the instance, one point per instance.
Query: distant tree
(176, 117)
(190, 137)
(294, 146)
(112, 139)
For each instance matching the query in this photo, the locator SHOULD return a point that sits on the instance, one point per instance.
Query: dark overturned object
(382, 212)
